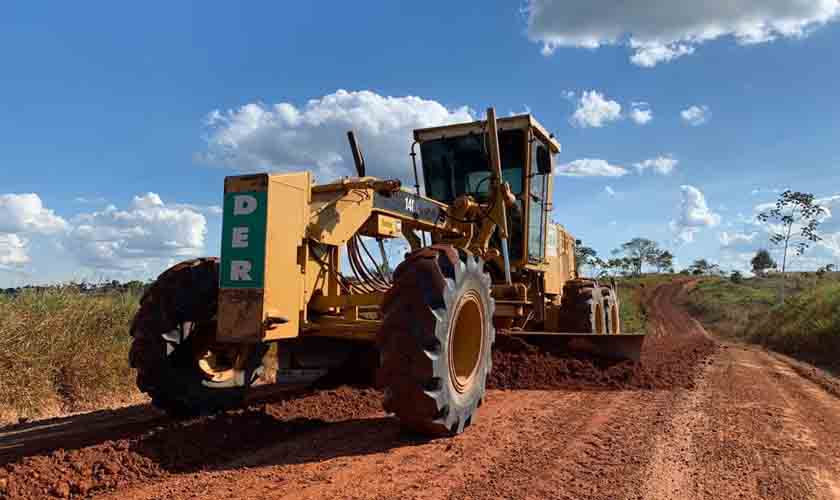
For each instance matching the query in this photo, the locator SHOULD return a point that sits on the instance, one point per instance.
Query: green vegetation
(631, 292)
(62, 350)
(806, 326)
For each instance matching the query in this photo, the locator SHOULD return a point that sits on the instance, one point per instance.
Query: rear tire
(582, 308)
(436, 340)
(611, 310)
(182, 303)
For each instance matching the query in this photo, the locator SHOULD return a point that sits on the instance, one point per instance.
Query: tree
(761, 262)
(736, 277)
(664, 260)
(822, 271)
(793, 222)
(584, 256)
(614, 267)
(703, 266)
(640, 251)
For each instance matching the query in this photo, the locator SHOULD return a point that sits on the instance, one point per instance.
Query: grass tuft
(63, 351)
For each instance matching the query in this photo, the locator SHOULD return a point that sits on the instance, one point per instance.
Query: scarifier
(296, 271)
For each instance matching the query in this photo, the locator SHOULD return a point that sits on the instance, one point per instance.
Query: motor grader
(297, 270)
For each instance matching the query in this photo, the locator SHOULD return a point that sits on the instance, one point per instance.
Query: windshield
(454, 166)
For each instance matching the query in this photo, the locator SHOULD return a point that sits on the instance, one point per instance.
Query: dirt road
(701, 419)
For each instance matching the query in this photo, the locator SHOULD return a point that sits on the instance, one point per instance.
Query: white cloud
(145, 236)
(26, 213)
(758, 191)
(286, 137)
(663, 30)
(641, 113)
(594, 110)
(648, 55)
(610, 191)
(695, 115)
(212, 210)
(22, 216)
(661, 164)
(829, 227)
(590, 167)
(694, 214)
(13, 250)
(737, 241)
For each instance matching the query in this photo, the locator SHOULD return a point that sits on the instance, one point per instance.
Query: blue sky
(118, 122)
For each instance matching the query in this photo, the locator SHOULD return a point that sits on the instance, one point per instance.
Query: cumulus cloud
(288, 137)
(661, 165)
(143, 236)
(695, 115)
(13, 251)
(27, 213)
(830, 224)
(641, 113)
(595, 110)
(743, 242)
(649, 54)
(758, 191)
(659, 31)
(590, 167)
(22, 216)
(694, 214)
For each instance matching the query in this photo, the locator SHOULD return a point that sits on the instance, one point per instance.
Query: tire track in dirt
(753, 428)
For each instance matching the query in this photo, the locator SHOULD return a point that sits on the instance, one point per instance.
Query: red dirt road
(700, 420)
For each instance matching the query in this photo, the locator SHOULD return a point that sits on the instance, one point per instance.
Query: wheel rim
(599, 318)
(466, 341)
(214, 366)
(614, 319)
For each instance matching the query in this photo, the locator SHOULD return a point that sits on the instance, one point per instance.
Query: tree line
(627, 260)
(792, 222)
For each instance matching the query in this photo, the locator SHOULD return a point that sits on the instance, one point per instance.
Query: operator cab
(456, 162)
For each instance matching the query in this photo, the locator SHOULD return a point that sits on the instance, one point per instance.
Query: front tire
(178, 363)
(436, 340)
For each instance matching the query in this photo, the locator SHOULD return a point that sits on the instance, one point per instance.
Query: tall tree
(761, 262)
(663, 261)
(639, 251)
(793, 222)
(703, 266)
(584, 256)
(614, 267)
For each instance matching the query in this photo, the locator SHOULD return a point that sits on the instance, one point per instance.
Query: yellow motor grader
(297, 270)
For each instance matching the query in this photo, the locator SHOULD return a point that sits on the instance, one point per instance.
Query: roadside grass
(63, 351)
(631, 293)
(806, 326)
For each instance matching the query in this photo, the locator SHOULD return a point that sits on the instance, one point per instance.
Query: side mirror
(543, 160)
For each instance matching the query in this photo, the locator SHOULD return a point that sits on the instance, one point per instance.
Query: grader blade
(617, 347)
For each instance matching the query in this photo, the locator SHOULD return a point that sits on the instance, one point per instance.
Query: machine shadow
(75, 431)
(256, 439)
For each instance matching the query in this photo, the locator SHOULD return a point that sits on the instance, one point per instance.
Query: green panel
(243, 240)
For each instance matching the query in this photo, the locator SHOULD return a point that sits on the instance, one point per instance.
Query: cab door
(537, 204)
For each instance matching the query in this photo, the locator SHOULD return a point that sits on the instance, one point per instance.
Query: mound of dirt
(667, 363)
(187, 446)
